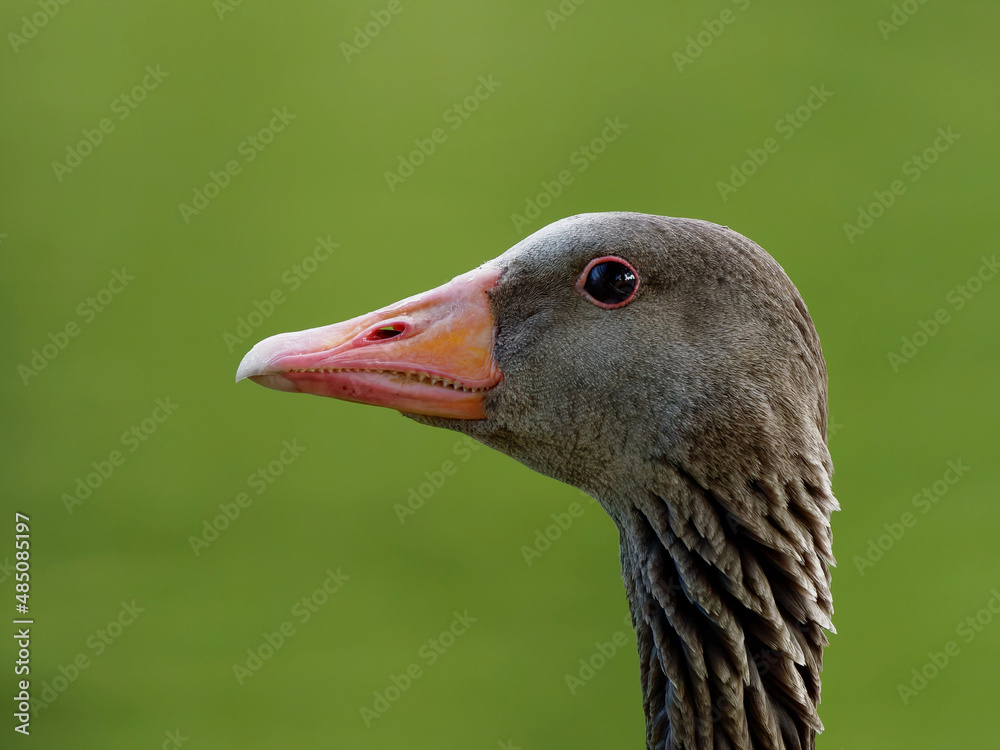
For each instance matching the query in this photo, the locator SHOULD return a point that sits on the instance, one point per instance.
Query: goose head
(668, 368)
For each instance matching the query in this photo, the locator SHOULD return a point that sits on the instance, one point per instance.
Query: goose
(669, 368)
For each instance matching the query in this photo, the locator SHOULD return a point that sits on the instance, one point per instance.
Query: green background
(894, 429)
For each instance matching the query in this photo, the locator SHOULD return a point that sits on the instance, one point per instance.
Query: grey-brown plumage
(696, 415)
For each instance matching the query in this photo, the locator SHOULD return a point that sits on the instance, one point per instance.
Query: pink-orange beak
(430, 354)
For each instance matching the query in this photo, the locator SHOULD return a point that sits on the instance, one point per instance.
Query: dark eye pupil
(610, 282)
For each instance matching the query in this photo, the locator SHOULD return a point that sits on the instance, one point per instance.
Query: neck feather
(728, 584)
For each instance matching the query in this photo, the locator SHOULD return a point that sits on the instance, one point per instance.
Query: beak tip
(248, 367)
(255, 366)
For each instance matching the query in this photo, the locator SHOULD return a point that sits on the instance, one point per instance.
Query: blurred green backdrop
(166, 166)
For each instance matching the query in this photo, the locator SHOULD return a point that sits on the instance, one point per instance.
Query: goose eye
(608, 282)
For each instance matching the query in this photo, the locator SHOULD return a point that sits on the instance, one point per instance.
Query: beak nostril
(386, 332)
